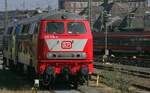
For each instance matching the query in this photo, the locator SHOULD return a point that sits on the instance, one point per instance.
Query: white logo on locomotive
(66, 44)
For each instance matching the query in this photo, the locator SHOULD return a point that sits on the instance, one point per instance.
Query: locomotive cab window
(34, 28)
(76, 28)
(55, 27)
(25, 28)
(18, 29)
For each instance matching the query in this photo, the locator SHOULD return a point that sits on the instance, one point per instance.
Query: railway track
(133, 70)
(60, 91)
(142, 61)
(138, 76)
(67, 91)
(81, 89)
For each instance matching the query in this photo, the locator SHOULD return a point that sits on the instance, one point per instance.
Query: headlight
(51, 55)
(84, 55)
(81, 55)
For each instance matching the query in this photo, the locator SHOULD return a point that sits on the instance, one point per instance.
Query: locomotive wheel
(11, 65)
(81, 80)
(7, 63)
(75, 84)
(88, 78)
(4, 63)
(25, 69)
(31, 73)
(15, 67)
(19, 68)
(47, 83)
(49, 80)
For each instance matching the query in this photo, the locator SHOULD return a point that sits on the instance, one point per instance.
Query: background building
(134, 3)
(124, 15)
(76, 6)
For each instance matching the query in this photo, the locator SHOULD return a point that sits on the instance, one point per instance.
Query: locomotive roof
(52, 15)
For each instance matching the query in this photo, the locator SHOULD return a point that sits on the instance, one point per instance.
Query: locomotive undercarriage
(49, 77)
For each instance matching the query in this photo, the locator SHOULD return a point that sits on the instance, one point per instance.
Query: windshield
(76, 28)
(55, 27)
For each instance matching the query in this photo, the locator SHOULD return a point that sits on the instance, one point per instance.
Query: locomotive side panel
(27, 44)
(9, 46)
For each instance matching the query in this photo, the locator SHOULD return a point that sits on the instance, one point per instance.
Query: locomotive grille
(72, 55)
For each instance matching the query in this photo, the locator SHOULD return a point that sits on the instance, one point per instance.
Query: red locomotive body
(65, 49)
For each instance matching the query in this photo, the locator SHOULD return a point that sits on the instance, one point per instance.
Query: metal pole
(105, 26)
(90, 10)
(106, 40)
(6, 16)
(104, 22)
(106, 37)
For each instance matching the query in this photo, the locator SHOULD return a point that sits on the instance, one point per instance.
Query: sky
(28, 4)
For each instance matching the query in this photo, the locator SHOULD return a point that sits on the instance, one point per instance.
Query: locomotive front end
(65, 49)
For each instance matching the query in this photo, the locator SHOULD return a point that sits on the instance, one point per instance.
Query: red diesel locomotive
(51, 45)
